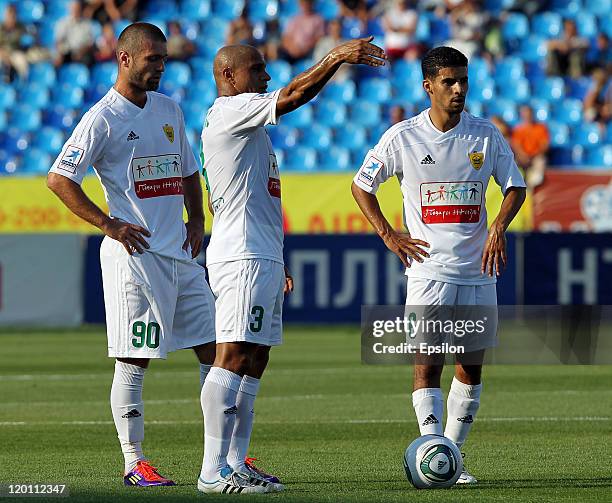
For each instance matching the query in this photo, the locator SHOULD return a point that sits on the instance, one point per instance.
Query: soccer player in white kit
(155, 294)
(443, 159)
(245, 254)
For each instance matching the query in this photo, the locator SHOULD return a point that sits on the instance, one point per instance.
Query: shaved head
(234, 57)
(132, 38)
(240, 69)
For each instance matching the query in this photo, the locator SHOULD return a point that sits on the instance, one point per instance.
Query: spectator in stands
(503, 127)
(302, 33)
(566, 55)
(106, 44)
(400, 23)
(598, 100)
(13, 58)
(600, 53)
(111, 10)
(467, 22)
(74, 37)
(179, 46)
(327, 43)
(272, 42)
(530, 143)
(240, 30)
(397, 113)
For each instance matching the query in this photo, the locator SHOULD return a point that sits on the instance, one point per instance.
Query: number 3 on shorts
(255, 325)
(145, 334)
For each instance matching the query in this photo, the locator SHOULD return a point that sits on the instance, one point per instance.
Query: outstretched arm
(494, 253)
(307, 85)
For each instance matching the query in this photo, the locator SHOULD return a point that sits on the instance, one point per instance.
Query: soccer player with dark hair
(245, 254)
(443, 159)
(156, 296)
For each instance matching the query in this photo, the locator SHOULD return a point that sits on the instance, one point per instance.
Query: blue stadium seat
(165, 10)
(301, 159)
(42, 73)
(262, 10)
(440, 29)
(478, 69)
(340, 92)
(364, 113)
(410, 93)
(25, 118)
(598, 7)
(587, 24)
(280, 71)
(316, 136)
(49, 139)
(567, 8)
(103, 75)
(375, 90)
(301, 66)
(335, 159)
(482, 90)
(68, 96)
(177, 75)
(3, 123)
(7, 96)
(504, 108)
(283, 136)
(301, 117)
(228, 9)
(30, 11)
(516, 90)
(207, 46)
(569, 111)
(35, 161)
(541, 109)
(9, 164)
(407, 71)
(547, 24)
(327, 8)
(56, 9)
(350, 136)
(566, 156)
(200, 92)
(120, 25)
(75, 74)
(288, 8)
(423, 29)
(195, 115)
(533, 49)
(329, 113)
(549, 89)
(559, 133)
(600, 156)
(475, 108)
(498, 5)
(578, 88)
(606, 24)
(375, 133)
(34, 95)
(515, 27)
(587, 134)
(509, 69)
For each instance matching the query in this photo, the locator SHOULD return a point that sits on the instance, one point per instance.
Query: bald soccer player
(245, 255)
(156, 296)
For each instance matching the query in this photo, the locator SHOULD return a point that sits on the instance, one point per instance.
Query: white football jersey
(243, 179)
(141, 156)
(443, 179)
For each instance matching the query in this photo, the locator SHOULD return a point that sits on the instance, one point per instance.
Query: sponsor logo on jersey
(451, 202)
(71, 158)
(157, 176)
(169, 132)
(370, 169)
(476, 160)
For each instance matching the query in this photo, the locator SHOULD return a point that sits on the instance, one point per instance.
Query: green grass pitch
(333, 429)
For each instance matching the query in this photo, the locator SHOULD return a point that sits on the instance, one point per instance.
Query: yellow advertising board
(312, 204)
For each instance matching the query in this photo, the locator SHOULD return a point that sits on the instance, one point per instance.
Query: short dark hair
(441, 57)
(131, 37)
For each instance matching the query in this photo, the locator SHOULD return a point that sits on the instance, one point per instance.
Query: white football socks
(428, 407)
(218, 399)
(128, 411)
(241, 436)
(204, 370)
(462, 405)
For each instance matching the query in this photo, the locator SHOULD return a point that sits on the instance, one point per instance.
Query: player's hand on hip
(129, 235)
(195, 236)
(494, 253)
(288, 282)
(360, 52)
(406, 247)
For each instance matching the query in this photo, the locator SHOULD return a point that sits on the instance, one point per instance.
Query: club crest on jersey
(476, 160)
(169, 131)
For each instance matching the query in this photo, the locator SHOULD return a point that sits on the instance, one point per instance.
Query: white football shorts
(154, 304)
(249, 301)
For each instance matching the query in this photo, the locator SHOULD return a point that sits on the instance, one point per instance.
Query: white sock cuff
(249, 385)
(419, 394)
(225, 378)
(465, 390)
(127, 368)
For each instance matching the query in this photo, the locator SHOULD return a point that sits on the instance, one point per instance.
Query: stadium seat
(7, 96)
(42, 73)
(301, 117)
(316, 136)
(549, 89)
(364, 113)
(56, 9)
(569, 111)
(567, 8)
(103, 75)
(68, 96)
(165, 10)
(49, 139)
(35, 161)
(75, 74)
(280, 71)
(475, 108)
(504, 108)
(478, 69)
(177, 75)
(9, 164)
(283, 136)
(3, 123)
(578, 88)
(262, 10)
(335, 159)
(498, 5)
(120, 25)
(541, 109)
(200, 92)
(547, 24)
(329, 113)
(482, 90)
(288, 8)
(533, 49)
(350, 136)
(375, 90)
(327, 8)
(598, 7)
(440, 30)
(29, 11)
(423, 29)
(34, 95)
(228, 9)
(375, 134)
(195, 113)
(340, 92)
(559, 133)
(566, 156)
(600, 156)
(301, 159)
(586, 24)
(586, 134)
(509, 69)
(516, 27)
(301, 66)
(25, 118)
(407, 71)
(516, 90)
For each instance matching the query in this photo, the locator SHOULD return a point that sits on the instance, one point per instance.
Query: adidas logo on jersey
(428, 160)
(431, 419)
(466, 419)
(132, 136)
(132, 413)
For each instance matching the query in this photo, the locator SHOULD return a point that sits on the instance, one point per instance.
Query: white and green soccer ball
(432, 462)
